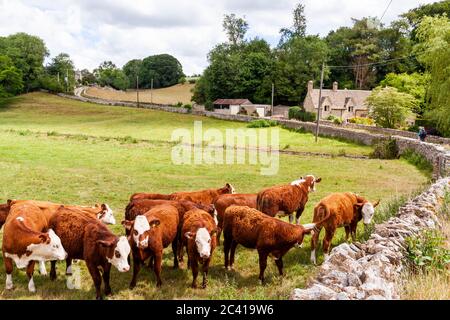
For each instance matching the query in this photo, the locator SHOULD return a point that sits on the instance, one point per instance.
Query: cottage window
(326, 108)
(350, 109)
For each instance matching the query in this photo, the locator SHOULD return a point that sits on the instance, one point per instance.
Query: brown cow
(287, 199)
(86, 238)
(256, 230)
(150, 234)
(225, 200)
(199, 236)
(27, 239)
(205, 197)
(339, 210)
(4, 211)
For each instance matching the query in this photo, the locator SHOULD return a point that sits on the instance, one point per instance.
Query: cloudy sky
(118, 30)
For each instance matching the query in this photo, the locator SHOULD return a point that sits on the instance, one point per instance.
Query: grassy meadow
(37, 162)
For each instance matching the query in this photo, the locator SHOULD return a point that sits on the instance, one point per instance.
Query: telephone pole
(319, 106)
(137, 90)
(273, 90)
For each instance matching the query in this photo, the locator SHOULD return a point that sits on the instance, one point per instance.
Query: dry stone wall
(370, 270)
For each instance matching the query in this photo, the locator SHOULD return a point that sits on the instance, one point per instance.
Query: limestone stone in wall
(370, 270)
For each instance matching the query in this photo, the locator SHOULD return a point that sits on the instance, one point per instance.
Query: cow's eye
(209, 241)
(56, 246)
(135, 232)
(117, 253)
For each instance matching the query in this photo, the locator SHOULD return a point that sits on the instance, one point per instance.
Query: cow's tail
(260, 202)
(323, 213)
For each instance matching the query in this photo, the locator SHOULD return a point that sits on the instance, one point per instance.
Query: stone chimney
(335, 86)
(310, 85)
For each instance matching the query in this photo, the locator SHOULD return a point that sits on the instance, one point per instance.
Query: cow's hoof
(108, 292)
(9, 287)
(99, 298)
(132, 285)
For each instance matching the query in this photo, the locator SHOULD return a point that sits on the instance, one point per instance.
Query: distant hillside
(171, 95)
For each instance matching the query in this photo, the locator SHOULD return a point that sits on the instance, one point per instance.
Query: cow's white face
(231, 188)
(202, 242)
(297, 182)
(53, 250)
(120, 256)
(107, 215)
(367, 212)
(141, 225)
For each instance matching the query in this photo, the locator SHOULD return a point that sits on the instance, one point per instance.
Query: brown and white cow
(85, 238)
(256, 230)
(287, 199)
(339, 210)
(205, 197)
(199, 236)
(150, 234)
(4, 211)
(27, 238)
(225, 200)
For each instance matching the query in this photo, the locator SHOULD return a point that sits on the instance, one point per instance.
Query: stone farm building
(234, 106)
(344, 104)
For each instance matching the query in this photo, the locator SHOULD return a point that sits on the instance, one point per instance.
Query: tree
(297, 62)
(11, 82)
(132, 69)
(62, 66)
(164, 69)
(389, 107)
(415, 84)
(87, 77)
(27, 53)
(108, 74)
(433, 51)
(235, 28)
(298, 28)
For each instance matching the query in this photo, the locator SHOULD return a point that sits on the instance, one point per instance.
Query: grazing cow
(4, 211)
(204, 197)
(199, 237)
(287, 199)
(225, 200)
(86, 238)
(27, 239)
(339, 210)
(150, 234)
(256, 230)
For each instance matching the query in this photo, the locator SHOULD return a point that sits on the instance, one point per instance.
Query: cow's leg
(53, 270)
(298, 214)
(97, 278)
(30, 271)
(157, 268)
(194, 268)
(136, 269)
(314, 243)
(219, 233)
(68, 267)
(232, 253)
(347, 233)
(175, 251)
(279, 263)
(226, 248)
(106, 276)
(327, 241)
(205, 272)
(353, 231)
(8, 269)
(291, 218)
(42, 268)
(262, 265)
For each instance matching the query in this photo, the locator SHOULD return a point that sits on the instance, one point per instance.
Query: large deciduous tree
(298, 28)
(164, 69)
(10, 78)
(108, 74)
(235, 28)
(62, 67)
(389, 107)
(132, 70)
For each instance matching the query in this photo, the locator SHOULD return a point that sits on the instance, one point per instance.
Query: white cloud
(94, 31)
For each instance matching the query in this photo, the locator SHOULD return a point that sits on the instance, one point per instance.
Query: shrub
(300, 114)
(262, 123)
(51, 84)
(337, 121)
(385, 149)
(192, 81)
(209, 105)
(417, 160)
(182, 80)
(363, 121)
(331, 117)
(178, 105)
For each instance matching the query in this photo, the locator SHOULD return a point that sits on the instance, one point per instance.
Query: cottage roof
(340, 99)
(232, 101)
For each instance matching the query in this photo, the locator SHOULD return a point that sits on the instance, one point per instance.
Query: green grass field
(79, 170)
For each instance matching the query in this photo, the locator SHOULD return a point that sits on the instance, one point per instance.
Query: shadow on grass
(7, 103)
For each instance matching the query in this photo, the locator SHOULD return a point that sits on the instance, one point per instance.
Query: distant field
(172, 95)
(38, 163)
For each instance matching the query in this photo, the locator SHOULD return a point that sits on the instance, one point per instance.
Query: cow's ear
(127, 224)
(358, 205)
(189, 235)
(104, 207)
(154, 223)
(106, 243)
(97, 205)
(376, 203)
(318, 180)
(45, 238)
(213, 232)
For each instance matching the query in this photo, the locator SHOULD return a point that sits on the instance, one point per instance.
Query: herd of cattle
(38, 231)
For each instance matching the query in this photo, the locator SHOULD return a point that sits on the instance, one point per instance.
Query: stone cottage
(342, 103)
